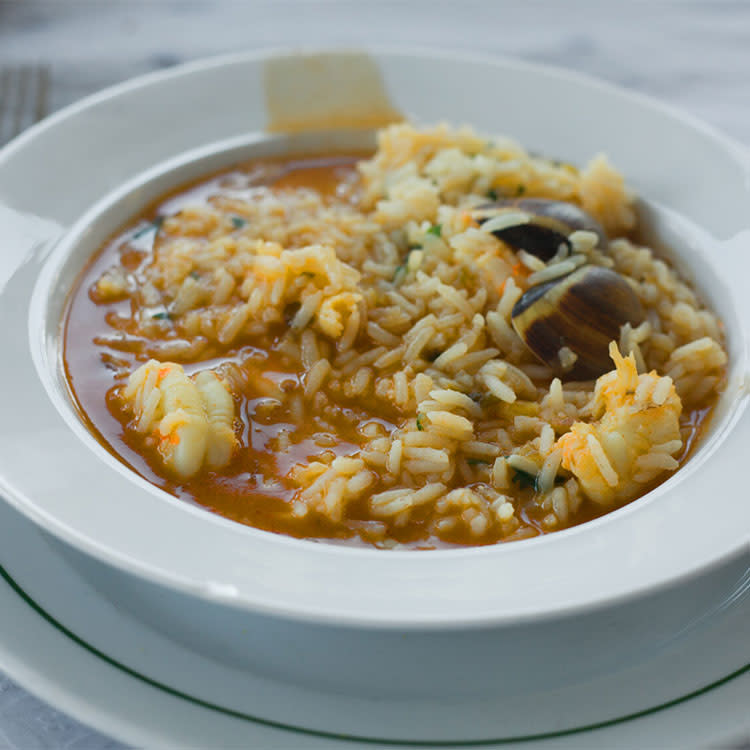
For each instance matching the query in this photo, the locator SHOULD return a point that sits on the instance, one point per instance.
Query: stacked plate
(162, 623)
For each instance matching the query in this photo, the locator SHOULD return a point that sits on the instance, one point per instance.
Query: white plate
(398, 613)
(74, 649)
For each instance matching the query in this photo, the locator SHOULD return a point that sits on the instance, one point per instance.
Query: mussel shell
(582, 311)
(546, 226)
(537, 239)
(569, 214)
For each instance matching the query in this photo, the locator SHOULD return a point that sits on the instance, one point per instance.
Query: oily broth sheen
(255, 489)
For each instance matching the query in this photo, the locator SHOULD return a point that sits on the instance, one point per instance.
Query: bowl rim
(227, 594)
(739, 150)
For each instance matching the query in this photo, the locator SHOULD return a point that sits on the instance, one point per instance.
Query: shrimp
(633, 439)
(219, 406)
(189, 418)
(336, 311)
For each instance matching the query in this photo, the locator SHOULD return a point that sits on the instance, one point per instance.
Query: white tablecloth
(695, 55)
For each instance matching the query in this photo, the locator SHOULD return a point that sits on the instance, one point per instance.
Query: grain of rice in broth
(411, 413)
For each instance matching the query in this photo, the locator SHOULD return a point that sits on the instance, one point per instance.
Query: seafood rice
(451, 341)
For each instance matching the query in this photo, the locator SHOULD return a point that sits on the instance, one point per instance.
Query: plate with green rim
(51, 643)
(249, 576)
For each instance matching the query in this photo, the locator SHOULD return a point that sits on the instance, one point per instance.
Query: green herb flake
(524, 479)
(436, 230)
(399, 274)
(521, 189)
(420, 423)
(308, 274)
(153, 226)
(492, 194)
(195, 275)
(162, 316)
(478, 462)
(238, 222)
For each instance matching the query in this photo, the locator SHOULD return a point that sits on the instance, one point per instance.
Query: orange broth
(255, 489)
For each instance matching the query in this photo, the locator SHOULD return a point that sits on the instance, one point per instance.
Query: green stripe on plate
(350, 737)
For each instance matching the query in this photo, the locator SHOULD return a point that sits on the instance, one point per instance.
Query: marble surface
(694, 55)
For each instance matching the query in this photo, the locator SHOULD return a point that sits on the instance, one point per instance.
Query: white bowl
(495, 621)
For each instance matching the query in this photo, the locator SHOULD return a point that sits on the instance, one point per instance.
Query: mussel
(579, 313)
(537, 225)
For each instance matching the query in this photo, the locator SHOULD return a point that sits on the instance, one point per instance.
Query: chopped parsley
(153, 226)
(524, 479)
(521, 189)
(478, 462)
(238, 222)
(400, 272)
(162, 316)
(485, 400)
(195, 275)
(420, 424)
(436, 230)
(492, 194)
